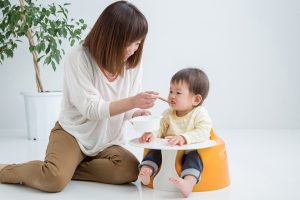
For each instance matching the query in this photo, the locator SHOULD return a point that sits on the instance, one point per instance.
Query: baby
(185, 122)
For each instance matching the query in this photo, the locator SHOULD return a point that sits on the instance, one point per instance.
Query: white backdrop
(249, 49)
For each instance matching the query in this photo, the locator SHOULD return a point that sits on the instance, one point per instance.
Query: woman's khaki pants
(65, 161)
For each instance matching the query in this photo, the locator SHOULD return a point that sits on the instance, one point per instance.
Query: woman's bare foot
(2, 166)
(184, 185)
(145, 174)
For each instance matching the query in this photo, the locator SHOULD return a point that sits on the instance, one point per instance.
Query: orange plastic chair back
(215, 173)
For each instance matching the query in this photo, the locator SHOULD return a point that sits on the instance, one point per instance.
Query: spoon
(165, 100)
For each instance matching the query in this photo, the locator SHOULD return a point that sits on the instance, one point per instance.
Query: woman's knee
(127, 171)
(124, 168)
(55, 183)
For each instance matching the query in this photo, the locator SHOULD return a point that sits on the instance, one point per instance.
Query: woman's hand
(175, 140)
(144, 100)
(141, 113)
(146, 137)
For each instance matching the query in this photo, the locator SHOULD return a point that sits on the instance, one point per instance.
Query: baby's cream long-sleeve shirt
(194, 127)
(86, 97)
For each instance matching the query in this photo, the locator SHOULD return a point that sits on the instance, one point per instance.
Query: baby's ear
(197, 100)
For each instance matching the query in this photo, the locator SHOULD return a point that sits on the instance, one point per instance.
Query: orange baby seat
(215, 173)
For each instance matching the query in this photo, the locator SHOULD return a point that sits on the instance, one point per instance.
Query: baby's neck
(182, 113)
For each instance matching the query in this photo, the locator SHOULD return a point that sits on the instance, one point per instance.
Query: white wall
(249, 49)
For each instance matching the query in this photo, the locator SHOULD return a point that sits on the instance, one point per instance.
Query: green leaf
(39, 58)
(72, 42)
(84, 27)
(9, 53)
(56, 57)
(38, 48)
(47, 60)
(53, 66)
(48, 49)
(43, 46)
(64, 32)
(53, 9)
(31, 48)
(77, 32)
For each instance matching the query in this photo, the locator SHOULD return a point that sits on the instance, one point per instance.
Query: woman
(102, 81)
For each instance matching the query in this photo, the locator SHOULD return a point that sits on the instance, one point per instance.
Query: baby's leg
(185, 185)
(150, 165)
(192, 167)
(145, 174)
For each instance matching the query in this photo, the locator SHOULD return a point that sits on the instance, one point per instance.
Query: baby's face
(180, 98)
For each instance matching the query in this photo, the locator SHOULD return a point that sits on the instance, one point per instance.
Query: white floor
(263, 165)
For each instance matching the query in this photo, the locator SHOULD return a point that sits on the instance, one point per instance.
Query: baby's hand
(175, 140)
(146, 137)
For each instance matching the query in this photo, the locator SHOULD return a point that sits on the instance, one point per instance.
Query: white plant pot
(42, 111)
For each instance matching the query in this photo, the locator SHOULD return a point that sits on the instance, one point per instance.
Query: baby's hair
(195, 78)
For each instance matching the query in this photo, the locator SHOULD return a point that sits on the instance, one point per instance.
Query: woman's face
(129, 50)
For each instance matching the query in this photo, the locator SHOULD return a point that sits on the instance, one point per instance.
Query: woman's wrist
(121, 106)
(131, 103)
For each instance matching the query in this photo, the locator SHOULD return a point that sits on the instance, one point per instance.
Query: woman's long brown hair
(119, 25)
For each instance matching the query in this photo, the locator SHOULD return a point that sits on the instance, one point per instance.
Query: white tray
(160, 143)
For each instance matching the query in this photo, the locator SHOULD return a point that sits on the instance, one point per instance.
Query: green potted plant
(47, 28)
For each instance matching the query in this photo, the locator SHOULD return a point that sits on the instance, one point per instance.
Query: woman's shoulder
(79, 57)
(77, 52)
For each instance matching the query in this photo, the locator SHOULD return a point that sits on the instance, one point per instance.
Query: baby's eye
(179, 93)
(170, 92)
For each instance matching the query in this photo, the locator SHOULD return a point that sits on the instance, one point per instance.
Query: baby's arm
(149, 136)
(201, 131)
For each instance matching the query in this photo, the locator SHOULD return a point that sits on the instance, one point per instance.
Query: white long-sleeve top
(86, 97)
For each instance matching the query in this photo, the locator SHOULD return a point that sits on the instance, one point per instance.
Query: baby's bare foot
(184, 185)
(145, 174)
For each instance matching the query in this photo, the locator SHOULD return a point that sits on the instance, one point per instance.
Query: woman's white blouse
(86, 97)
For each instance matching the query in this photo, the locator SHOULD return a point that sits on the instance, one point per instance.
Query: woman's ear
(197, 100)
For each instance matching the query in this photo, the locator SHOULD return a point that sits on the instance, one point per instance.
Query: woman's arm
(143, 100)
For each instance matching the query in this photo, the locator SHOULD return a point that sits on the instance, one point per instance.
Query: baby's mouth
(172, 102)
